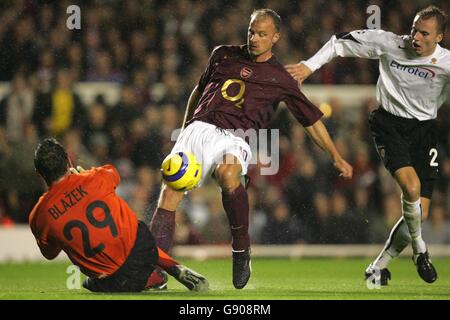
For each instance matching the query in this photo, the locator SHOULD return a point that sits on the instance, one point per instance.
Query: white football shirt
(409, 86)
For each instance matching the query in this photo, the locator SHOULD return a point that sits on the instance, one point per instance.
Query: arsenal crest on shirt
(246, 72)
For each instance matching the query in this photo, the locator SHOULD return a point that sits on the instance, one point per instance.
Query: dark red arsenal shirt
(238, 93)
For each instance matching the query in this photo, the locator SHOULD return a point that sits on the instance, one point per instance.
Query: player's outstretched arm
(320, 136)
(370, 44)
(299, 71)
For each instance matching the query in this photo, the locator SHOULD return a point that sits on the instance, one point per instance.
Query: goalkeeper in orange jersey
(82, 215)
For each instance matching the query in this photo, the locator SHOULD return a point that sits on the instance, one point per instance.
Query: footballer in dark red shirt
(241, 88)
(239, 93)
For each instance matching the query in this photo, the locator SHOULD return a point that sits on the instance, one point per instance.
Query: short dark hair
(433, 11)
(270, 13)
(51, 160)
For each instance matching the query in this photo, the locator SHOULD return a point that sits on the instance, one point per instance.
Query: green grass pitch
(272, 279)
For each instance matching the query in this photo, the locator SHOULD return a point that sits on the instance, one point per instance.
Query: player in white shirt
(414, 82)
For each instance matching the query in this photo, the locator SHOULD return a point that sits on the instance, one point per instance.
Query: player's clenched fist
(344, 168)
(299, 71)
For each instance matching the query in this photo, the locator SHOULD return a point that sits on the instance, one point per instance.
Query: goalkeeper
(82, 215)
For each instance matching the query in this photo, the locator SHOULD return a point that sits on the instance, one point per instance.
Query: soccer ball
(181, 171)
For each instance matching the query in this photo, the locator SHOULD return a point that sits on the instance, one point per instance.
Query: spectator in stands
(16, 109)
(46, 70)
(391, 210)
(216, 229)
(187, 233)
(126, 110)
(59, 110)
(343, 225)
(301, 190)
(95, 126)
(104, 69)
(316, 231)
(258, 217)
(281, 228)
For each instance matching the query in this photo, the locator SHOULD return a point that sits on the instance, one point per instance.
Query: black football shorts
(403, 142)
(133, 274)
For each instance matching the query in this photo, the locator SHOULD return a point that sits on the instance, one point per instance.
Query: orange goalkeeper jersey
(83, 216)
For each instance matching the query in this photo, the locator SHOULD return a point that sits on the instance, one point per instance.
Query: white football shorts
(209, 144)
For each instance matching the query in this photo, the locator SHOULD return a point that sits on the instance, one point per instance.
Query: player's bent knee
(228, 176)
(412, 191)
(409, 182)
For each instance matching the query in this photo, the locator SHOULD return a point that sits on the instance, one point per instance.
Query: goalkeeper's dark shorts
(403, 142)
(133, 274)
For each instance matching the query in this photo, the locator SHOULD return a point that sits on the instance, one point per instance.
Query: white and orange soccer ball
(181, 171)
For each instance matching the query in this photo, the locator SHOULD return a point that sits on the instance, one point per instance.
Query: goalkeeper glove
(78, 169)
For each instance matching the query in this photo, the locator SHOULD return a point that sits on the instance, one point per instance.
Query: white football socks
(398, 240)
(406, 229)
(412, 213)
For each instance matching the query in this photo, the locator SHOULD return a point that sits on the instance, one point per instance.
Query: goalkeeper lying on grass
(82, 215)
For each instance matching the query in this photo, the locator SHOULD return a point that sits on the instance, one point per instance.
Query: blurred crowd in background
(156, 51)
